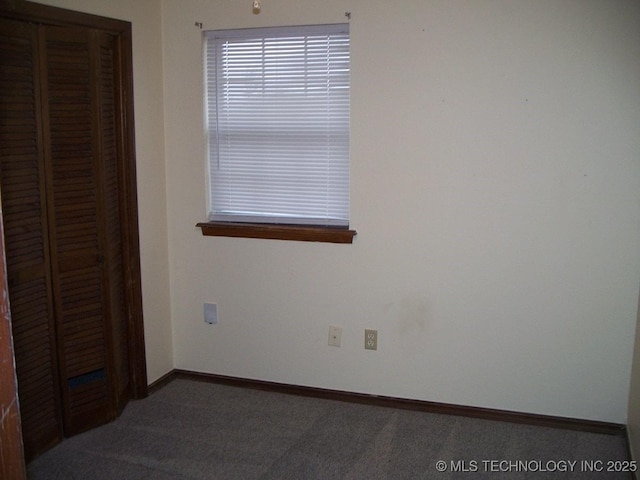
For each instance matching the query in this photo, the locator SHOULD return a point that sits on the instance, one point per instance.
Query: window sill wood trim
(278, 232)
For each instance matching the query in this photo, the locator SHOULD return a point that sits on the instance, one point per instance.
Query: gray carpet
(191, 430)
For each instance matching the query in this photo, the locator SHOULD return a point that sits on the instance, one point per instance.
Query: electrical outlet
(335, 334)
(210, 313)
(370, 339)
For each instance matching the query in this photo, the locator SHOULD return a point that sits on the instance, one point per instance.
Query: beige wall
(494, 190)
(145, 16)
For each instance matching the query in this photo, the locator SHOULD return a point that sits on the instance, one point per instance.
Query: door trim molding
(11, 446)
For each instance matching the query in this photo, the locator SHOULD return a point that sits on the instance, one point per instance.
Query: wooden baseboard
(161, 382)
(402, 403)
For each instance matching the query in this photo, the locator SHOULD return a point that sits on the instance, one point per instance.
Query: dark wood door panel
(25, 219)
(75, 219)
(111, 149)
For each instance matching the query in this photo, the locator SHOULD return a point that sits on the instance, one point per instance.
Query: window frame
(237, 227)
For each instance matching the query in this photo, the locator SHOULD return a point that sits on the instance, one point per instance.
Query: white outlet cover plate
(335, 335)
(370, 339)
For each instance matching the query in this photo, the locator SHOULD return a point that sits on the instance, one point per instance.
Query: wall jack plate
(370, 339)
(335, 334)
(210, 313)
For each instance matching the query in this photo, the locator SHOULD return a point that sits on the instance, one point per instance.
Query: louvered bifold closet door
(26, 242)
(75, 220)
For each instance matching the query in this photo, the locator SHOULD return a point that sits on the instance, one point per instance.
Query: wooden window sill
(278, 232)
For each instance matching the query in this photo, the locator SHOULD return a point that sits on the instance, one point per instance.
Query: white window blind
(277, 114)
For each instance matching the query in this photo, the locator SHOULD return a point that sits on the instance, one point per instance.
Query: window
(277, 122)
